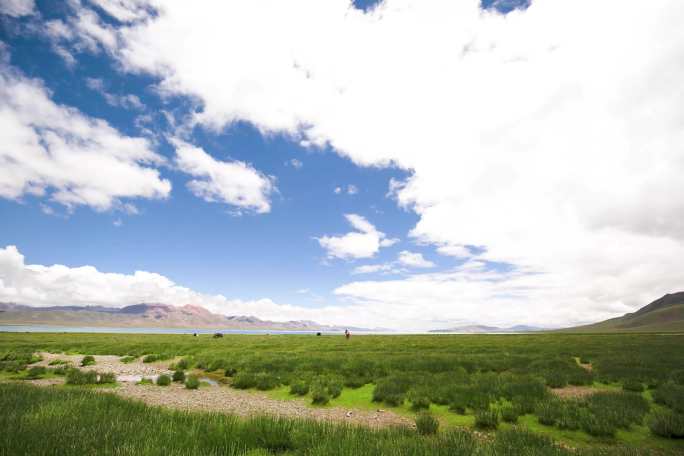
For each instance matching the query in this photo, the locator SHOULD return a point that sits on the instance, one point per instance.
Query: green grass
(472, 372)
(78, 421)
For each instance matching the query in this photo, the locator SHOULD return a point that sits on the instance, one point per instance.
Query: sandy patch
(112, 363)
(574, 392)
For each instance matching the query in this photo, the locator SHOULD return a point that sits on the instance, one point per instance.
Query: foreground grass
(39, 421)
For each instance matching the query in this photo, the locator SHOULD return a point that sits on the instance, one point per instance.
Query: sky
(401, 164)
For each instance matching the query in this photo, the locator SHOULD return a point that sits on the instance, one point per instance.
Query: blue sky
(275, 155)
(195, 243)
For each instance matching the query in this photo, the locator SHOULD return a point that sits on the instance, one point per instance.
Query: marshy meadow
(536, 394)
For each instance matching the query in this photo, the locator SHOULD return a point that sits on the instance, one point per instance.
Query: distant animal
(194, 334)
(217, 335)
(318, 334)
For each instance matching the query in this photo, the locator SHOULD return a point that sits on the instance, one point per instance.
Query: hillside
(662, 315)
(146, 315)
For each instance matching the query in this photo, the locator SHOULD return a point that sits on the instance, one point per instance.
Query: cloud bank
(549, 138)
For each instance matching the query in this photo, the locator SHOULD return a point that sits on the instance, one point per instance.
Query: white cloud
(17, 8)
(352, 189)
(454, 250)
(373, 268)
(414, 260)
(554, 150)
(128, 101)
(56, 152)
(59, 285)
(235, 183)
(338, 190)
(365, 242)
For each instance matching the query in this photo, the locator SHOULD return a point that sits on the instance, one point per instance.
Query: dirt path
(221, 399)
(243, 403)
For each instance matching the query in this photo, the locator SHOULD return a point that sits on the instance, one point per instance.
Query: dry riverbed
(213, 398)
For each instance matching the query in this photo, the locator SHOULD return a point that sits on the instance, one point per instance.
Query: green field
(490, 394)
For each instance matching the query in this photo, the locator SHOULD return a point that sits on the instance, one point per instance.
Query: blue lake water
(94, 329)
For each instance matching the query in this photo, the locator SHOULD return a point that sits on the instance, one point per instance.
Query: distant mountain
(664, 314)
(482, 329)
(146, 315)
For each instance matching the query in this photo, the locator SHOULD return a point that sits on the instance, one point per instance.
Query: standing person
(347, 334)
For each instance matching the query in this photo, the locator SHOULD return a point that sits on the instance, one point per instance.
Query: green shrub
(570, 415)
(677, 376)
(163, 380)
(670, 394)
(36, 372)
(580, 377)
(300, 388)
(244, 380)
(266, 381)
(151, 358)
(556, 379)
(596, 426)
(78, 377)
(547, 412)
(88, 360)
(145, 381)
(619, 409)
(127, 359)
(525, 404)
(509, 414)
(192, 382)
(356, 381)
(391, 390)
(61, 370)
(319, 393)
(334, 387)
(229, 372)
(426, 424)
(633, 385)
(667, 423)
(487, 419)
(107, 378)
(183, 364)
(58, 362)
(178, 376)
(419, 402)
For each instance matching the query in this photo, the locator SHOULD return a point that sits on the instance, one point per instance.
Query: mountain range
(665, 314)
(148, 315)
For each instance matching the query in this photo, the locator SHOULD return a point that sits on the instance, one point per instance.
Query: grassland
(490, 394)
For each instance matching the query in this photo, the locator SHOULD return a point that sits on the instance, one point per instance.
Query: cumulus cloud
(17, 8)
(365, 242)
(553, 150)
(414, 260)
(59, 285)
(234, 183)
(56, 152)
